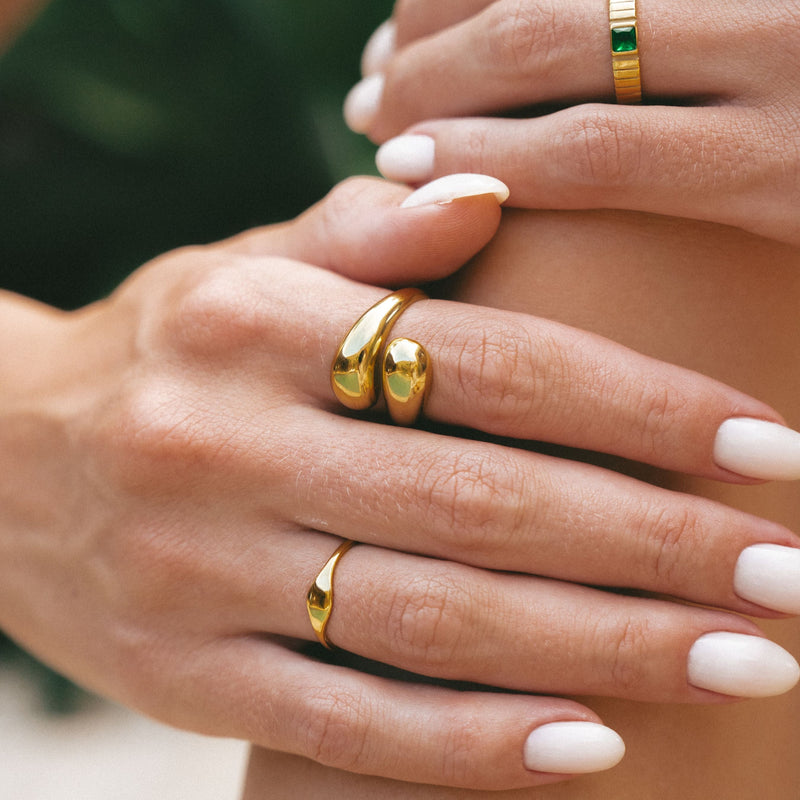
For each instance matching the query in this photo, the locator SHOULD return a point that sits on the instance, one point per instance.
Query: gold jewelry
(319, 599)
(406, 379)
(625, 51)
(354, 369)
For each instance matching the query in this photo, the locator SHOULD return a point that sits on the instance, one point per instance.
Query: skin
(702, 296)
(718, 139)
(14, 16)
(58, 398)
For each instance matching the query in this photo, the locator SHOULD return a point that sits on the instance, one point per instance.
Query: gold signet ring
(406, 379)
(354, 371)
(319, 599)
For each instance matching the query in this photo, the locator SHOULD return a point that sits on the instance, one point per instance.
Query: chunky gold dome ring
(403, 364)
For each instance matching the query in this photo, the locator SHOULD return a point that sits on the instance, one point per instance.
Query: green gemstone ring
(625, 51)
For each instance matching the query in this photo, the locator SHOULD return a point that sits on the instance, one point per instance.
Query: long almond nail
(454, 187)
(572, 748)
(741, 666)
(363, 102)
(758, 449)
(769, 575)
(379, 48)
(407, 159)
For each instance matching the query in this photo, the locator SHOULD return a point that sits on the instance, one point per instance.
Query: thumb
(382, 233)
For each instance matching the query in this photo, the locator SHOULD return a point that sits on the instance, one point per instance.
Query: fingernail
(741, 666)
(758, 449)
(570, 748)
(407, 159)
(379, 48)
(455, 187)
(769, 574)
(362, 103)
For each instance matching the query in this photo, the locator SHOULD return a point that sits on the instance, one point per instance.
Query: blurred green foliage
(130, 127)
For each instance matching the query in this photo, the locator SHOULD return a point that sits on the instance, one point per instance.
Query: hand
(178, 473)
(718, 141)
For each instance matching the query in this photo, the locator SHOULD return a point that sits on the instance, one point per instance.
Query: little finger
(343, 718)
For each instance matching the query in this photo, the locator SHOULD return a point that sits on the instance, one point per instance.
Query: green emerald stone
(623, 40)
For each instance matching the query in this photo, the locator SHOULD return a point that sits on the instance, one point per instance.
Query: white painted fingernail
(407, 159)
(454, 187)
(741, 666)
(571, 748)
(769, 574)
(758, 449)
(363, 102)
(379, 48)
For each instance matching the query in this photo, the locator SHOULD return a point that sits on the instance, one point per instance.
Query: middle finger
(506, 509)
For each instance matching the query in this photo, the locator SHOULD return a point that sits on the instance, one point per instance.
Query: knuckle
(335, 727)
(462, 749)
(628, 659)
(219, 311)
(153, 430)
(660, 406)
(523, 35)
(475, 149)
(599, 151)
(426, 620)
(153, 436)
(493, 366)
(476, 499)
(667, 536)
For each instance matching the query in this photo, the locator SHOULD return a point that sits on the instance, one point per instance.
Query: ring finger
(456, 622)
(506, 509)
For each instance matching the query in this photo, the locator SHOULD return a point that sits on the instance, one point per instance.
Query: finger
(455, 622)
(503, 373)
(504, 509)
(362, 230)
(603, 156)
(527, 53)
(361, 723)
(515, 375)
(415, 19)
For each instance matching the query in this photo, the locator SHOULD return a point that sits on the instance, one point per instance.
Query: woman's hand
(177, 473)
(719, 139)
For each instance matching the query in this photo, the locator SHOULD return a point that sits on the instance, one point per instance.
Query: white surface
(106, 753)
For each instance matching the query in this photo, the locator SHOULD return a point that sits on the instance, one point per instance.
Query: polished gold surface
(354, 376)
(319, 599)
(625, 60)
(406, 379)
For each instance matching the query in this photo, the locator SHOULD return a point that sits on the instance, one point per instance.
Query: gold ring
(406, 379)
(319, 599)
(405, 367)
(625, 51)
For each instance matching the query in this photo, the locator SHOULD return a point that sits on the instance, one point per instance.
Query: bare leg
(707, 297)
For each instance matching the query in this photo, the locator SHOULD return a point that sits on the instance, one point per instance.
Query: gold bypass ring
(405, 368)
(625, 51)
(319, 600)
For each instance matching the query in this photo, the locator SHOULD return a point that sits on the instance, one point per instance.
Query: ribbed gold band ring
(625, 51)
